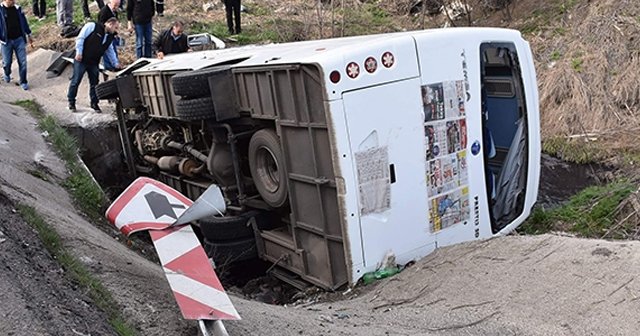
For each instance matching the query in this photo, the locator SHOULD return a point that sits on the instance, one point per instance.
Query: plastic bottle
(381, 273)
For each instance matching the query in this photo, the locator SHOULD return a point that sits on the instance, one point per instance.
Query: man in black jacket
(85, 8)
(14, 34)
(94, 41)
(107, 12)
(160, 7)
(140, 13)
(232, 7)
(172, 41)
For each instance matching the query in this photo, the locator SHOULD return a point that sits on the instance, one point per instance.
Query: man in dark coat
(39, 9)
(107, 12)
(85, 8)
(172, 41)
(93, 42)
(139, 14)
(160, 7)
(232, 7)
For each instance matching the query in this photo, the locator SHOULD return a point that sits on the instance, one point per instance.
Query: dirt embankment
(137, 285)
(37, 297)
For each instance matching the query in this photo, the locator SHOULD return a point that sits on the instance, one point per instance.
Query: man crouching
(93, 42)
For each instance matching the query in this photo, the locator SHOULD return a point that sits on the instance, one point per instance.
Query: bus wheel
(266, 163)
(107, 90)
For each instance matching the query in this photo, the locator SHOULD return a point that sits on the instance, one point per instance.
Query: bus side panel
(387, 149)
(347, 191)
(450, 85)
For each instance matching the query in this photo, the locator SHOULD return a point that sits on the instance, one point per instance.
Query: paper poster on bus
(446, 173)
(463, 176)
(436, 140)
(449, 209)
(446, 142)
(373, 180)
(433, 102)
(456, 131)
(434, 177)
(454, 99)
(443, 100)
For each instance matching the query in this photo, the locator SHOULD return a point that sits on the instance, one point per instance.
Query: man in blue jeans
(14, 33)
(93, 42)
(139, 14)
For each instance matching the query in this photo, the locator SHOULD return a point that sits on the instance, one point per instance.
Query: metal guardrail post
(212, 328)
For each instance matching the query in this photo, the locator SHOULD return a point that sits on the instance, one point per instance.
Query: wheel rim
(267, 169)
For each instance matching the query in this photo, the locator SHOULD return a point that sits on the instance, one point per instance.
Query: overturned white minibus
(341, 152)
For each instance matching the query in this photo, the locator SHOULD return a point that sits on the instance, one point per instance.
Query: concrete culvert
(266, 163)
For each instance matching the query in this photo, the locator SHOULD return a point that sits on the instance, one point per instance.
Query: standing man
(64, 12)
(94, 41)
(160, 7)
(140, 13)
(233, 7)
(39, 9)
(14, 33)
(85, 8)
(172, 40)
(107, 12)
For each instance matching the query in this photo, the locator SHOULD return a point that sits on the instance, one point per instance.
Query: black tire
(107, 90)
(194, 84)
(195, 109)
(229, 252)
(216, 229)
(266, 163)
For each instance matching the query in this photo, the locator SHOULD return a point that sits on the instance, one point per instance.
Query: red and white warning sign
(147, 204)
(151, 205)
(195, 285)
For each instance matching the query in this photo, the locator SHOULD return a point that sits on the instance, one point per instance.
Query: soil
(37, 298)
(572, 177)
(127, 275)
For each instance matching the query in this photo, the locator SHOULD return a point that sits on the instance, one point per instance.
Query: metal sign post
(212, 328)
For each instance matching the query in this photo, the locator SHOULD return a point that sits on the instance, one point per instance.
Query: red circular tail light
(334, 76)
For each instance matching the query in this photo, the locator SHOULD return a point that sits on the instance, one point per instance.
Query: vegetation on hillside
(607, 211)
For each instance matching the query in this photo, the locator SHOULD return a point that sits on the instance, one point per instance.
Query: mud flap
(56, 68)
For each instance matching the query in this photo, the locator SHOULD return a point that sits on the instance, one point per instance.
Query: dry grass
(592, 89)
(626, 219)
